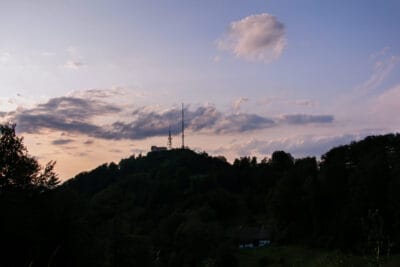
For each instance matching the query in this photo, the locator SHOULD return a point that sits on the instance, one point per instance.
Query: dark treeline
(181, 208)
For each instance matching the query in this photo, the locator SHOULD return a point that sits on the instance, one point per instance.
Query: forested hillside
(181, 208)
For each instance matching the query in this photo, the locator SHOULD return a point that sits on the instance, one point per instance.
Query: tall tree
(17, 168)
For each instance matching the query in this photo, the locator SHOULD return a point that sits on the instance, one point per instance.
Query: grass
(292, 256)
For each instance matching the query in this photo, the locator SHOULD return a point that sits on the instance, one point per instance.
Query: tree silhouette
(19, 170)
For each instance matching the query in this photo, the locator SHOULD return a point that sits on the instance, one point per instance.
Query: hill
(181, 208)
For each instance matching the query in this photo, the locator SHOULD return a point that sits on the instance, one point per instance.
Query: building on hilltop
(158, 148)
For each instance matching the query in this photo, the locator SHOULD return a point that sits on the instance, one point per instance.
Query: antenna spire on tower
(169, 138)
(183, 129)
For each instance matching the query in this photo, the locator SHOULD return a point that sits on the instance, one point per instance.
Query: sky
(89, 82)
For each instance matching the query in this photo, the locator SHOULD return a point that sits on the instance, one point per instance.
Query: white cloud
(255, 38)
(4, 56)
(74, 65)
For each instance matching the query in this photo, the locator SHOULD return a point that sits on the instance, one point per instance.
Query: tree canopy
(19, 170)
(182, 208)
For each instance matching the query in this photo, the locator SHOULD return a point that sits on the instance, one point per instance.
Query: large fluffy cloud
(256, 37)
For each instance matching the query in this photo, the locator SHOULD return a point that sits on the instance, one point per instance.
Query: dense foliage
(180, 208)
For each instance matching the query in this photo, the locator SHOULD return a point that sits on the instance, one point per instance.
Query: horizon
(96, 81)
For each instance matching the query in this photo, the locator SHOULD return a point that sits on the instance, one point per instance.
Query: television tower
(169, 138)
(183, 129)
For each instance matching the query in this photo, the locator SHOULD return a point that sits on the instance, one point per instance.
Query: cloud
(62, 141)
(74, 64)
(35, 123)
(68, 114)
(74, 108)
(237, 104)
(216, 59)
(238, 123)
(92, 116)
(390, 99)
(99, 93)
(206, 119)
(255, 38)
(386, 106)
(306, 119)
(148, 122)
(298, 146)
(88, 142)
(115, 150)
(4, 56)
(383, 66)
(304, 102)
(280, 101)
(202, 119)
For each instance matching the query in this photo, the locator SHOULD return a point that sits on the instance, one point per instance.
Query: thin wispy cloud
(99, 93)
(74, 59)
(73, 64)
(304, 102)
(384, 64)
(258, 37)
(216, 59)
(88, 142)
(362, 100)
(5, 56)
(298, 146)
(306, 119)
(280, 101)
(386, 106)
(237, 104)
(61, 142)
(238, 123)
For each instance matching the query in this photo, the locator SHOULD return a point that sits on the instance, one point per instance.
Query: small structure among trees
(158, 148)
(252, 237)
